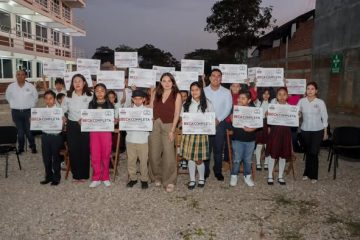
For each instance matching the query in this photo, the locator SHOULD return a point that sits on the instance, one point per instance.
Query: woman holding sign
(166, 102)
(78, 97)
(313, 129)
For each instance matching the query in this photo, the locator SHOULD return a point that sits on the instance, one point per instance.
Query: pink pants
(100, 149)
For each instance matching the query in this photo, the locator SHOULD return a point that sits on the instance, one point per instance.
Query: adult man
(221, 99)
(22, 96)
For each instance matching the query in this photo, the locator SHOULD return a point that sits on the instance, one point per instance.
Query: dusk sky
(176, 26)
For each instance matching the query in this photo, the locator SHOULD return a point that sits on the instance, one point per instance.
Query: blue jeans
(242, 151)
(21, 119)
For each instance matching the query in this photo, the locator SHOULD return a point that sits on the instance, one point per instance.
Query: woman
(166, 103)
(313, 129)
(78, 97)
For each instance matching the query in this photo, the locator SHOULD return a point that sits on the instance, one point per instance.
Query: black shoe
(206, 175)
(144, 185)
(270, 181)
(258, 168)
(33, 150)
(131, 183)
(191, 185)
(281, 181)
(201, 183)
(219, 177)
(45, 182)
(54, 183)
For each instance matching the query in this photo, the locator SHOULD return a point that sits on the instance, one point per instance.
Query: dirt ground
(328, 209)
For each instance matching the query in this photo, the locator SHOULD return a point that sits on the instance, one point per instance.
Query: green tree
(105, 54)
(238, 23)
(150, 55)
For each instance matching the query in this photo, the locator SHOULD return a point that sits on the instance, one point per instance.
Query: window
(41, 33)
(55, 37)
(23, 27)
(26, 65)
(43, 3)
(5, 68)
(38, 69)
(55, 6)
(65, 41)
(5, 25)
(66, 12)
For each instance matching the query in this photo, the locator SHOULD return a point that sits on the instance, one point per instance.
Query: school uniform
(21, 100)
(263, 133)
(51, 144)
(78, 142)
(315, 120)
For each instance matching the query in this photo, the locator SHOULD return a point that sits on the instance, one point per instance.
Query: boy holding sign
(137, 147)
(243, 144)
(51, 143)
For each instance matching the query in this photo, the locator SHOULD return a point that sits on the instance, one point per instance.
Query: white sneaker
(233, 180)
(107, 183)
(305, 178)
(248, 181)
(94, 184)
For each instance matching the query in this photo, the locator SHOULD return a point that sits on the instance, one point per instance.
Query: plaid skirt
(195, 147)
(279, 143)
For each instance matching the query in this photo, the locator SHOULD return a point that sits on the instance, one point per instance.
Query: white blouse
(314, 114)
(73, 105)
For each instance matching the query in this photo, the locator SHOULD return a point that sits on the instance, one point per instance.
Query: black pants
(50, 146)
(21, 119)
(216, 144)
(79, 151)
(312, 141)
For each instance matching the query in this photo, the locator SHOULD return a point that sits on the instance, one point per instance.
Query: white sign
(270, 77)
(188, 65)
(93, 65)
(135, 119)
(198, 123)
(126, 59)
(251, 117)
(54, 69)
(296, 86)
(69, 75)
(214, 67)
(97, 120)
(233, 73)
(184, 79)
(112, 79)
(252, 73)
(142, 77)
(46, 119)
(161, 70)
(283, 115)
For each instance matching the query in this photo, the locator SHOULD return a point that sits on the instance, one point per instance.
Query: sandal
(170, 188)
(281, 181)
(270, 181)
(191, 185)
(201, 183)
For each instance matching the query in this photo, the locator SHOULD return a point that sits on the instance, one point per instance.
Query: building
(34, 31)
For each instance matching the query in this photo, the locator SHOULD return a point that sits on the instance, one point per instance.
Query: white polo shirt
(139, 137)
(20, 98)
(55, 132)
(314, 114)
(73, 105)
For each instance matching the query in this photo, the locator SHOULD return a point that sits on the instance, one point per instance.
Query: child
(194, 148)
(59, 99)
(243, 144)
(51, 142)
(184, 96)
(137, 147)
(279, 143)
(100, 142)
(262, 134)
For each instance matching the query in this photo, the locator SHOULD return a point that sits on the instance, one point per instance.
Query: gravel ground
(328, 209)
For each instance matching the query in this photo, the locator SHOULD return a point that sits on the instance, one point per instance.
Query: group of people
(155, 150)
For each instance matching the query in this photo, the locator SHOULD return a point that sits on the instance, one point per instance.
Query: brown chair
(229, 133)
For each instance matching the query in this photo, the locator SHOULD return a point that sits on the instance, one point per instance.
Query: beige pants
(162, 159)
(135, 151)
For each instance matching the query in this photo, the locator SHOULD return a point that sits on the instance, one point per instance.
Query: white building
(34, 31)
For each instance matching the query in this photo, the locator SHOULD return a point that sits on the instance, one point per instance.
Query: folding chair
(346, 142)
(229, 133)
(8, 139)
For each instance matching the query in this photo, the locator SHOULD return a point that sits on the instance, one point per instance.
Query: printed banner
(251, 117)
(126, 59)
(54, 69)
(46, 119)
(135, 119)
(198, 123)
(93, 65)
(283, 115)
(296, 86)
(97, 120)
(184, 79)
(188, 65)
(161, 70)
(270, 77)
(112, 79)
(142, 77)
(233, 73)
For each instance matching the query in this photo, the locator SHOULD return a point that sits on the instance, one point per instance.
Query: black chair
(8, 139)
(346, 143)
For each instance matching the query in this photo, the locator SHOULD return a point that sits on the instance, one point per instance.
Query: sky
(176, 26)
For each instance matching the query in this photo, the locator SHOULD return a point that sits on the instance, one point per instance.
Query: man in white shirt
(22, 96)
(221, 100)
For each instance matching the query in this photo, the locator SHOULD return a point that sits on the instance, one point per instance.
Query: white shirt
(57, 92)
(221, 100)
(116, 109)
(55, 131)
(73, 105)
(314, 114)
(20, 98)
(264, 105)
(194, 107)
(139, 137)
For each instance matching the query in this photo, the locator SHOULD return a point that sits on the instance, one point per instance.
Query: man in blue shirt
(221, 99)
